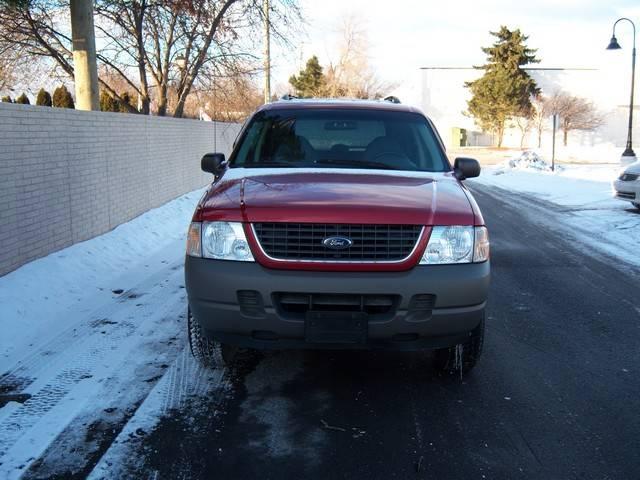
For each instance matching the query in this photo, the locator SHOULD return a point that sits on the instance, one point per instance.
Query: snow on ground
(581, 197)
(65, 285)
(79, 361)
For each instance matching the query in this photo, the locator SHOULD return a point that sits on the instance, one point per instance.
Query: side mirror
(466, 168)
(213, 163)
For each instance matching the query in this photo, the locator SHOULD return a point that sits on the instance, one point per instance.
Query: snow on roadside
(54, 291)
(578, 186)
(527, 160)
(583, 194)
(82, 357)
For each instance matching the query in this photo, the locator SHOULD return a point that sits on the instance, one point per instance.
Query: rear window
(370, 139)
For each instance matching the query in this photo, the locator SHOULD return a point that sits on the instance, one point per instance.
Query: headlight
(456, 244)
(221, 241)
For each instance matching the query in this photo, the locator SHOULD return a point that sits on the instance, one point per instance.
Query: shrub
(44, 98)
(62, 98)
(126, 100)
(7, 99)
(108, 103)
(23, 99)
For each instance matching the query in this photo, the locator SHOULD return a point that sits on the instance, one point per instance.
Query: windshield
(340, 138)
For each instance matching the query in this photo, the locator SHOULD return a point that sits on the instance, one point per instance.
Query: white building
(444, 99)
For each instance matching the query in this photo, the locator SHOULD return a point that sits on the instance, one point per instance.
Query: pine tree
(310, 81)
(23, 99)
(7, 99)
(126, 103)
(505, 89)
(108, 103)
(62, 98)
(44, 98)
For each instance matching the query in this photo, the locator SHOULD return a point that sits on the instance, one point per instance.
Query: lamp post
(628, 156)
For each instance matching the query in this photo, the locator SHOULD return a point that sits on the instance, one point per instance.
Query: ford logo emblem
(337, 243)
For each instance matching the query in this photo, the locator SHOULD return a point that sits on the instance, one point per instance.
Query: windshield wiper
(355, 163)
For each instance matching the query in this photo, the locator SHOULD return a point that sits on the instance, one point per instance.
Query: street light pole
(628, 155)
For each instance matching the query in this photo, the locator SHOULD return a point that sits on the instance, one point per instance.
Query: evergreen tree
(108, 103)
(23, 99)
(310, 81)
(126, 103)
(7, 99)
(44, 98)
(62, 98)
(505, 89)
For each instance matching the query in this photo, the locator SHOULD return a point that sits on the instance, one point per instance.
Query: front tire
(460, 359)
(208, 352)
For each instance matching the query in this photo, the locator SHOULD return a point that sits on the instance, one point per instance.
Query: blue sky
(407, 34)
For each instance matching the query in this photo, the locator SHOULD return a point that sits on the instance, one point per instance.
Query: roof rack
(392, 99)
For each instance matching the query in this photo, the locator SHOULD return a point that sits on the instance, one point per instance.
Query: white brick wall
(67, 176)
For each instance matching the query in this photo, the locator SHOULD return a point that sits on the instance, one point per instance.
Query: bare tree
(154, 46)
(229, 99)
(524, 125)
(575, 113)
(352, 75)
(541, 112)
(8, 70)
(18, 75)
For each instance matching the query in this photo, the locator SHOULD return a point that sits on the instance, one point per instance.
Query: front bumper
(218, 300)
(627, 190)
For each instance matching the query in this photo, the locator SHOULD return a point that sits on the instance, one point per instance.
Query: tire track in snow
(84, 363)
(28, 368)
(185, 381)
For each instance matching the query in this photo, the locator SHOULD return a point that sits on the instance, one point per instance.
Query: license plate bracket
(336, 327)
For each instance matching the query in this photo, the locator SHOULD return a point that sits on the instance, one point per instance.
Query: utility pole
(85, 70)
(267, 52)
(553, 143)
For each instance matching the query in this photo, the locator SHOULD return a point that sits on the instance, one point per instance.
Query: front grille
(629, 177)
(296, 305)
(304, 241)
(626, 195)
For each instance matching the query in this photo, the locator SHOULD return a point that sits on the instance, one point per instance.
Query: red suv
(338, 224)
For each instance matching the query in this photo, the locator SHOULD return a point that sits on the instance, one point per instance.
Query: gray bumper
(213, 289)
(627, 190)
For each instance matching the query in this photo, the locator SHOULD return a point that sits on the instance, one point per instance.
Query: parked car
(627, 185)
(338, 224)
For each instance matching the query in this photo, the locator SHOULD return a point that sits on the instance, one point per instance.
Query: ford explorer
(338, 224)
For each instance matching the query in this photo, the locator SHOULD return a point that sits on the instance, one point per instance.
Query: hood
(337, 196)
(633, 168)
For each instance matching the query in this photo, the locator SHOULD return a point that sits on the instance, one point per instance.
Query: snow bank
(569, 185)
(585, 205)
(53, 291)
(539, 160)
(527, 160)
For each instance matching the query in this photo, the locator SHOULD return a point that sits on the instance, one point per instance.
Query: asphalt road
(556, 394)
